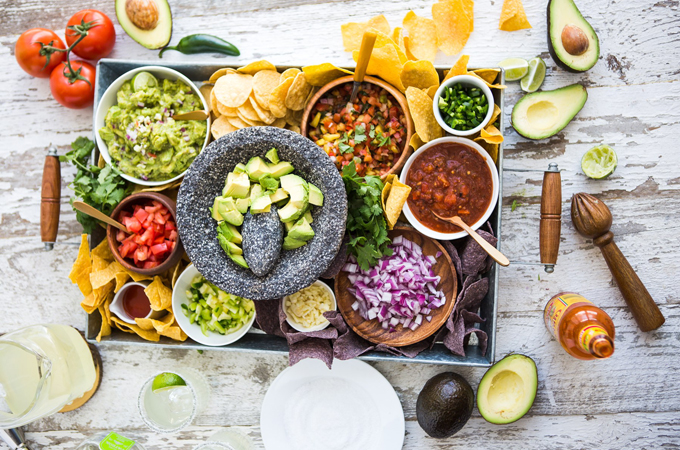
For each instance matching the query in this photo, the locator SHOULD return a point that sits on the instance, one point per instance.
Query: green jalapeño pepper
(202, 43)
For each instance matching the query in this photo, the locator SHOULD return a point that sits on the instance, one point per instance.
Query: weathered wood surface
(629, 401)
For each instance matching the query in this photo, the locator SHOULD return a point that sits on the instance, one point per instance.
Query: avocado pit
(574, 40)
(142, 13)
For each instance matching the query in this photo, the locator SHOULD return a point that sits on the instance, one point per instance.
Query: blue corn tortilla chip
(267, 316)
(455, 258)
(339, 261)
(471, 318)
(311, 348)
(482, 337)
(294, 336)
(348, 345)
(456, 335)
(471, 298)
(473, 257)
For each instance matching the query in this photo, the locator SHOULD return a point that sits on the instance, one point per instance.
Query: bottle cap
(602, 347)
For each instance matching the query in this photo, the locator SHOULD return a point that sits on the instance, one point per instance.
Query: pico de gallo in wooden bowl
(374, 131)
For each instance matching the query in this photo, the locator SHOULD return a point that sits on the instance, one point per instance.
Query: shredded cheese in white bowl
(304, 309)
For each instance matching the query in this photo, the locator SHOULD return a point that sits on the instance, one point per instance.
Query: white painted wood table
(630, 401)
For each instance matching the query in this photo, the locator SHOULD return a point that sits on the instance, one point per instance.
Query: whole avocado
(444, 405)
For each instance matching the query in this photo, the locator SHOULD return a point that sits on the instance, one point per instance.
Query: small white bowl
(116, 306)
(494, 191)
(109, 99)
(468, 81)
(299, 327)
(179, 296)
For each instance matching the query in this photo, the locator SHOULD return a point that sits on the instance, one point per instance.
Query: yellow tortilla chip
(459, 68)
(233, 89)
(399, 38)
(221, 126)
(495, 114)
(121, 279)
(385, 192)
(149, 335)
(469, 6)
(353, 32)
(416, 142)
(298, 92)
(488, 75)
(206, 90)
(160, 325)
(419, 74)
(290, 73)
(263, 114)
(277, 99)
(101, 277)
(395, 202)
(490, 134)
(137, 276)
(385, 63)
(103, 250)
(492, 86)
(422, 36)
(279, 123)
(105, 312)
(432, 91)
(264, 83)
(247, 112)
(295, 129)
(453, 26)
(420, 106)
(237, 122)
(88, 303)
(220, 73)
(249, 122)
(382, 39)
(321, 74)
(256, 66)
(513, 17)
(174, 332)
(80, 272)
(160, 296)
(491, 149)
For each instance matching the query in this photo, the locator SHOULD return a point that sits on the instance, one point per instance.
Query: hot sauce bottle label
(555, 308)
(587, 334)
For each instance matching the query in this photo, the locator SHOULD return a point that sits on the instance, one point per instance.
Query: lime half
(515, 68)
(534, 79)
(143, 80)
(599, 162)
(165, 381)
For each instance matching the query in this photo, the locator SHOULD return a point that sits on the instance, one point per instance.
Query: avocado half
(572, 42)
(508, 389)
(543, 114)
(445, 404)
(146, 10)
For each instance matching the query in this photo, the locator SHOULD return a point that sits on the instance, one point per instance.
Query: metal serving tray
(256, 341)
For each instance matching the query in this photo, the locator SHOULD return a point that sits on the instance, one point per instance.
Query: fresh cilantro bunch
(101, 188)
(366, 226)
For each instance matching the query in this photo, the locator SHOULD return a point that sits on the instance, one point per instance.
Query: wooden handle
(497, 256)
(50, 198)
(551, 217)
(365, 51)
(192, 115)
(94, 212)
(641, 304)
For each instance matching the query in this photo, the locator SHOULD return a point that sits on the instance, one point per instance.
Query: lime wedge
(515, 68)
(534, 79)
(143, 80)
(599, 162)
(165, 381)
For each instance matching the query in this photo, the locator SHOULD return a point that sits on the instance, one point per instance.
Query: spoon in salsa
(497, 256)
(367, 43)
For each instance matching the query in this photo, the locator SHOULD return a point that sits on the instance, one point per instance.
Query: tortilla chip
(214, 104)
(238, 122)
(321, 74)
(160, 296)
(279, 123)
(137, 276)
(174, 332)
(256, 66)
(249, 122)
(101, 277)
(513, 17)
(221, 126)
(384, 194)
(491, 149)
(263, 114)
(88, 303)
(420, 106)
(247, 112)
(233, 89)
(298, 92)
(495, 114)
(277, 99)
(290, 73)
(422, 36)
(103, 251)
(416, 142)
(121, 279)
(459, 68)
(386, 63)
(490, 134)
(205, 89)
(419, 74)
(295, 129)
(453, 26)
(469, 6)
(353, 32)
(492, 86)
(398, 37)
(488, 75)
(395, 201)
(432, 91)
(264, 83)
(382, 39)
(220, 73)
(149, 335)
(80, 271)
(105, 327)
(160, 325)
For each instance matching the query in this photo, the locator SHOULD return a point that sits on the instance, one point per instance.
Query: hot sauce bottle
(584, 330)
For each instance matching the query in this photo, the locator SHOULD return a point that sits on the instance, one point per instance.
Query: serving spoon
(93, 212)
(497, 256)
(199, 114)
(367, 43)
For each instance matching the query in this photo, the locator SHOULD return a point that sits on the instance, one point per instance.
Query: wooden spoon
(93, 212)
(367, 43)
(499, 257)
(192, 115)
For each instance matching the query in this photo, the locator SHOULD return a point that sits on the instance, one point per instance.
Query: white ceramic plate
(372, 391)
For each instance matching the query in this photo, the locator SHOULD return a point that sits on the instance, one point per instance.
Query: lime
(515, 68)
(143, 80)
(534, 79)
(165, 381)
(599, 162)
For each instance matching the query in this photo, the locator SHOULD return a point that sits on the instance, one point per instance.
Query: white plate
(371, 388)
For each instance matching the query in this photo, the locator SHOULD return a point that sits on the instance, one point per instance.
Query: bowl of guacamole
(135, 130)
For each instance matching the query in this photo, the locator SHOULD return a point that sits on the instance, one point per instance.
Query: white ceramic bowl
(108, 99)
(192, 330)
(494, 192)
(118, 309)
(467, 81)
(299, 327)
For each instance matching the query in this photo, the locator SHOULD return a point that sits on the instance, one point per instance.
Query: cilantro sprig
(366, 226)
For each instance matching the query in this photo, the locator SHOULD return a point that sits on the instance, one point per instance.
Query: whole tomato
(32, 58)
(100, 38)
(71, 89)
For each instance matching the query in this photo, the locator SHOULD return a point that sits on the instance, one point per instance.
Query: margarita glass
(227, 440)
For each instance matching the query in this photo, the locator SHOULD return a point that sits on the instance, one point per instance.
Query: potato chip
(422, 36)
(237, 122)
(385, 63)
(263, 114)
(416, 142)
(290, 73)
(420, 106)
(353, 32)
(488, 75)
(80, 271)
(256, 66)
(490, 134)
(459, 68)
(298, 92)
(220, 73)
(277, 99)
(149, 335)
(160, 296)
(419, 74)
(513, 17)
(453, 26)
(322, 74)
(247, 113)
(233, 89)
(264, 83)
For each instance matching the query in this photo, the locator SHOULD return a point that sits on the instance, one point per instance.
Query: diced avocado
(257, 168)
(151, 34)
(240, 260)
(290, 243)
(234, 249)
(445, 404)
(240, 168)
(301, 230)
(308, 216)
(288, 226)
(237, 186)
(256, 192)
(315, 195)
(288, 181)
(299, 196)
(269, 183)
(279, 195)
(230, 232)
(273, 156)
(227, 209)
(242, 204)
(543, 114)
(281, 169)
(260, 205)
(289, 213)
(508, 389)
(214, 210)
(572, 42)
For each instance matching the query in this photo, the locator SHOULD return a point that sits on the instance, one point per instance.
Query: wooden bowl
(405, 152)
(371, 330)
(127, 202)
